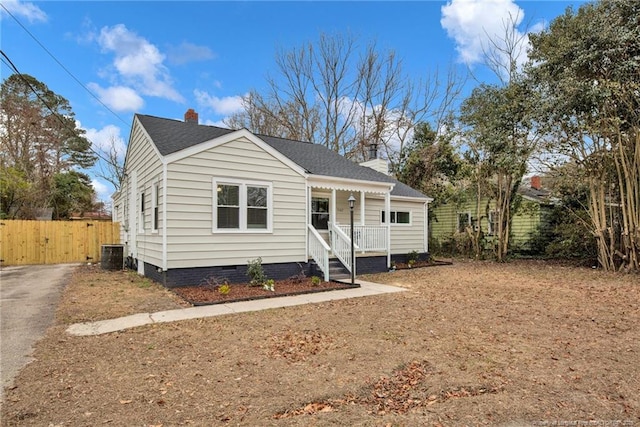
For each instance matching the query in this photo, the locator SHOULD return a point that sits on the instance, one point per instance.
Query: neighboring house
(200, 201)
(451, 219)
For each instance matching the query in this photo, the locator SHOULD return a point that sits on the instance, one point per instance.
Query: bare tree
(111, 168)
(505, 53)
(326, 93)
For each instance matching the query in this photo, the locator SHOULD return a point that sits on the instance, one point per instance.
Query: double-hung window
(241, 206)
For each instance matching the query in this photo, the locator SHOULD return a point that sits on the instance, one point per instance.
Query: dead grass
(469, 344)
(95, 294)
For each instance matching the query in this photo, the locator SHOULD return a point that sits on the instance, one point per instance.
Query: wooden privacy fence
(54, 242)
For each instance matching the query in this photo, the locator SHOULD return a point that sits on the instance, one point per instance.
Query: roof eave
(349, 184)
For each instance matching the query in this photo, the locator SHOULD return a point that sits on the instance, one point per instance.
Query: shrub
(315, 281)
(299, 278)
(269, 285)
(214, 282)
(256, 272)
(224, 289)
(412, 257)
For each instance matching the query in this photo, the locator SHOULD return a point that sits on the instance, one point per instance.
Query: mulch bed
(207, 295)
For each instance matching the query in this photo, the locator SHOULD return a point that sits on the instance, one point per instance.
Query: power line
(57, 115)
(62, 65)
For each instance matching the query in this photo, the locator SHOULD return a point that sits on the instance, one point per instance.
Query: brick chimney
(536, 182)
(191, 116)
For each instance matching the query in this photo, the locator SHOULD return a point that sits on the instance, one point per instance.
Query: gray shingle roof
(171, 136)
(540, 195)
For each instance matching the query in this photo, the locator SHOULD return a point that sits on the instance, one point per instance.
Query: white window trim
(155, 191)
(395, 212)
(243, 184)
(468, 213)
(141, 212)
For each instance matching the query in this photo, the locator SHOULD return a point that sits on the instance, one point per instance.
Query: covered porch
(331, 202)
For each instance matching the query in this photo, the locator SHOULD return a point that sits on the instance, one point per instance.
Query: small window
(141, 214)
(320, 213)
(397, 217)
(403, 218)
(464, 220)
(155, 201)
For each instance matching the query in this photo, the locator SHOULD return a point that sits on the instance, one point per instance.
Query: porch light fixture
(352, 202)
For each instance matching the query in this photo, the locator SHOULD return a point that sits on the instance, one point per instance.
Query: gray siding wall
(190, 239)
(143, 159)
(404, 238)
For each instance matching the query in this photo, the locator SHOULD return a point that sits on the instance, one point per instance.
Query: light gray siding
(191, 241)
(404, 238)
(145, 161)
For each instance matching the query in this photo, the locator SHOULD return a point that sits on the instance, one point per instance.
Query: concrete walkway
(114, 325)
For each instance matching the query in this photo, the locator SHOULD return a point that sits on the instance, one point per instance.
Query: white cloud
(106, 139)
(118, 98)
(102, 190)
(188, 52)
(474, 24)
(223, 106)
(24, 10)
(217, 123)
(138, 62)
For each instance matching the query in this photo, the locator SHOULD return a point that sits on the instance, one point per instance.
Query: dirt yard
(520, 344)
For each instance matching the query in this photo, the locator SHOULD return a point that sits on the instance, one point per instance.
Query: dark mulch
(207, 295)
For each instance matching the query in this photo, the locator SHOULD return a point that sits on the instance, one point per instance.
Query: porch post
(362, 209)
(387, 208)
(333, 206)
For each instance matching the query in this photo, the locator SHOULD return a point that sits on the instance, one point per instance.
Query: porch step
(337, 270)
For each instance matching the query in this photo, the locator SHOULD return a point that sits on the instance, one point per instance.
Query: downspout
(307, 220)
(165, 194)
(426, 227)
(387, 208)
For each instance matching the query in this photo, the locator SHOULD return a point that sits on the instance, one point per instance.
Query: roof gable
(171, 136)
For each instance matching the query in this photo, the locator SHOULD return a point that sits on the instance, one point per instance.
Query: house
(451, 219)
(200, 201)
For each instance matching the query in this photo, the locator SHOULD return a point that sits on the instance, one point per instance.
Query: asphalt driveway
(28, 299)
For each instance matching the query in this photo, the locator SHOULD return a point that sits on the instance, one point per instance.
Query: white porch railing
(371, 238)
(341, 246)
(319, 251)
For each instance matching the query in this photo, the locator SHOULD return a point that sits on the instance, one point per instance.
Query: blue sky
(163, 57)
